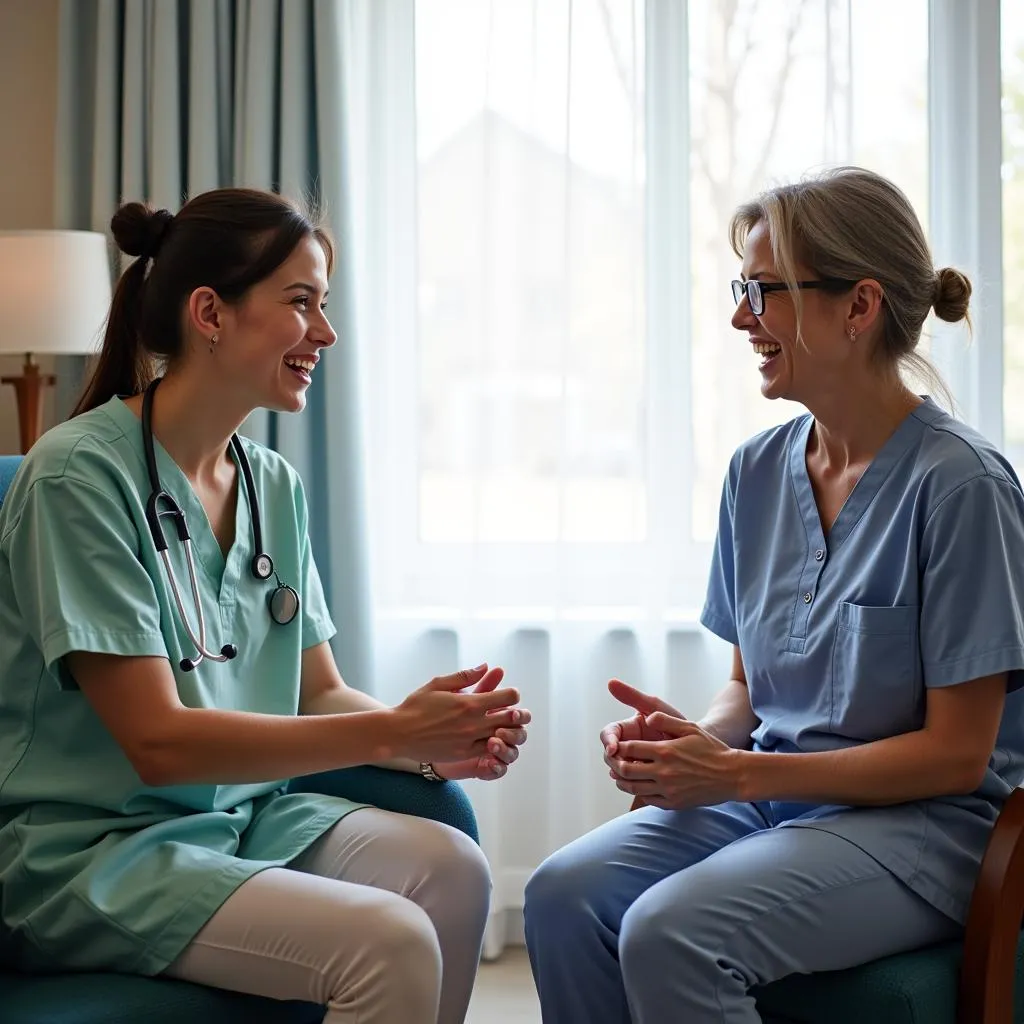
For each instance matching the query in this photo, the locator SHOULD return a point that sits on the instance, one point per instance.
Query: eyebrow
(303, 286)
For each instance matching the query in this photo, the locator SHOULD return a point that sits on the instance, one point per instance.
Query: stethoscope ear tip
(227, 652)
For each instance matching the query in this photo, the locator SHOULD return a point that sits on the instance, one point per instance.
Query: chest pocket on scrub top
(873, 669)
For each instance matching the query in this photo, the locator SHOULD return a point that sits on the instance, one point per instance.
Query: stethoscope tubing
(283, 602)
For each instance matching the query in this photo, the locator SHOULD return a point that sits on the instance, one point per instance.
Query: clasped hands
(502, 747)
(663, 759)
(656, 755)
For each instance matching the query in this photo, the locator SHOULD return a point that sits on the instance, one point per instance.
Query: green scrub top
(97, 870)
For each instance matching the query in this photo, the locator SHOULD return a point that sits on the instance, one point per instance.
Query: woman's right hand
(440, 723)
(635, 728)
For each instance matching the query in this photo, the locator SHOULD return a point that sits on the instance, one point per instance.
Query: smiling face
(269, 343)
(797, 365)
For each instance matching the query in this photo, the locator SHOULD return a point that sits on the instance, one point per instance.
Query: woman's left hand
(502, 750)
(690, 769)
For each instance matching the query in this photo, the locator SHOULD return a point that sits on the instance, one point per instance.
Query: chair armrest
(994, 923)
(397, 791)
(8, 467)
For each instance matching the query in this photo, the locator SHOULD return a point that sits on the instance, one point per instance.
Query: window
(559, 385)
(531, 206)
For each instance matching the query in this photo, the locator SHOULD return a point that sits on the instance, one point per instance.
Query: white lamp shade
(54, 291)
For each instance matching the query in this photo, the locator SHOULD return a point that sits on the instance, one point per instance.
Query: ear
(865, 307)
(205, 312)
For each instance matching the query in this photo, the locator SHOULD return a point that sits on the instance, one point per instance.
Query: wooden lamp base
(28, 389)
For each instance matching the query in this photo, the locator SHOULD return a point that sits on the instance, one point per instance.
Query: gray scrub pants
(670, 917)
(381, 920)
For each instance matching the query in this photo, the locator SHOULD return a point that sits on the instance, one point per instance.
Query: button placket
(815, 572)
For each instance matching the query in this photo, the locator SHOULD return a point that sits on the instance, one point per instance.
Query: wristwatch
(427, 771)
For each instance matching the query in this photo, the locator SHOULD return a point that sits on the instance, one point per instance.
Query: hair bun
(952, 295)
(139, 230)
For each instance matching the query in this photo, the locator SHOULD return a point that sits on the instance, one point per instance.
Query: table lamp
(54, 299)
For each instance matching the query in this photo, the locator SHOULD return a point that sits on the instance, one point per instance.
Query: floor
(504, 992)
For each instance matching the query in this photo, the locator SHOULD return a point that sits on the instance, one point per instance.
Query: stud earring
(213, 342)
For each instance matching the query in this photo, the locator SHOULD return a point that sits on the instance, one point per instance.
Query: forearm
(911, 766)
(730, 717)
(201, 745)
(345, 700)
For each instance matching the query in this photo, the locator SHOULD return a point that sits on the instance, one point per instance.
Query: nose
(321, 332)
(743, 318)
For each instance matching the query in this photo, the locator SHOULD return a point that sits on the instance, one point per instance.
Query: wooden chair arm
(994, 923)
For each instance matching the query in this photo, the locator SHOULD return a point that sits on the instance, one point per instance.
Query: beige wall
(28, 108)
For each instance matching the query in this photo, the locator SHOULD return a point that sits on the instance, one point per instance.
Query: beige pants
(381, 921)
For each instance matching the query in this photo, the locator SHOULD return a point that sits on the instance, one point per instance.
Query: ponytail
(123, 367)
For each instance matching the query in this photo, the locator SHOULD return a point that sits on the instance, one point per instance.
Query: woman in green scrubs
(153, 703)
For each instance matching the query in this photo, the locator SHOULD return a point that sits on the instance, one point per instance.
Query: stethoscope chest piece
(283, 601)
(284, 604)
(262, 566)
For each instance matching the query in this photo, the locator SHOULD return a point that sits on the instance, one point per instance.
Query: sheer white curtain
(554, 388)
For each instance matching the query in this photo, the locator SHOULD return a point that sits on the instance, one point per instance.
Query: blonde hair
(851, 224)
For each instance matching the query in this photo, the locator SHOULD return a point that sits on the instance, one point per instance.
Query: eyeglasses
(755, 290)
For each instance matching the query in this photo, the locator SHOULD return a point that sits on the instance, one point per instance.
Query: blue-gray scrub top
(919, 584)
(97, 870)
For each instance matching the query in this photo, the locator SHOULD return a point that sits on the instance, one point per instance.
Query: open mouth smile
(301, 367)
(768, 351)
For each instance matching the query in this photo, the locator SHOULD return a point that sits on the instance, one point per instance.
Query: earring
(213, 342)
(853, 333)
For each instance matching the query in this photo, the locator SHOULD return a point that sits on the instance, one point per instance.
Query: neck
(852, 423)
(194, 423)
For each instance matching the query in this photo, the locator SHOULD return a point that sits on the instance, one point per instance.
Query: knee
(654, 929)
(402, 940)
(456, 869)
(645, 930)
(560, 893)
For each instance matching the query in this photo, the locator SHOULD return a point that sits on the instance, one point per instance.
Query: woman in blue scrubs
(153, 703)
(834, 803)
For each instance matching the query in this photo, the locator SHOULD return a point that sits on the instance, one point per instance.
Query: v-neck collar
(222, 572)
(866, 488)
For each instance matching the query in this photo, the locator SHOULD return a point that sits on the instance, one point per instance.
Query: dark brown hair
(229, 240)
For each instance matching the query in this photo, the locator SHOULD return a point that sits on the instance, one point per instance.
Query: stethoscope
(283, 600)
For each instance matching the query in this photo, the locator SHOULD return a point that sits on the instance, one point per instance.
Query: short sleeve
(719, 614)
(317, 625)
(972, 584)
(73, 550)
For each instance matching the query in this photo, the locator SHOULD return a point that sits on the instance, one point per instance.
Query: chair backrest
(8, 467)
